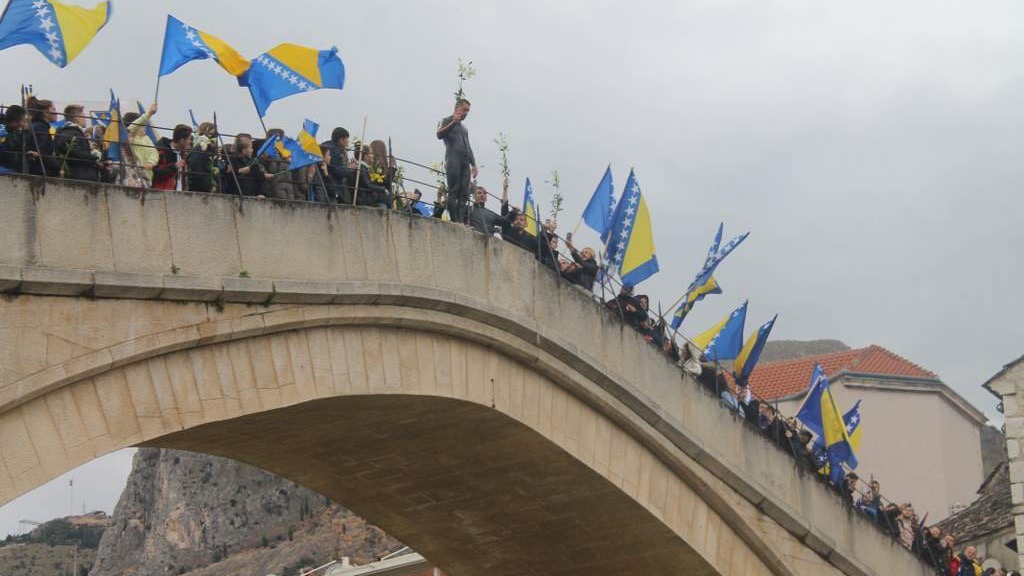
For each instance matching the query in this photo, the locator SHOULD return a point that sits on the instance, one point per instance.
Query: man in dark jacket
(12, 150)
(481, 218)
(199, 168)
(76, 157)
(342, 176)
(459, 162)
(514, 230)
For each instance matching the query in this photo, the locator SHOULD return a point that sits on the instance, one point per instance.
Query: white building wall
(916, 444)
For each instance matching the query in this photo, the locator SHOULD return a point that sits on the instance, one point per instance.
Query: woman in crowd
(38, 141)
(138, 172)
(12, 151)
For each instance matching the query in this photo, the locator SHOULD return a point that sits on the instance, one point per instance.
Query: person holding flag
(142, 141)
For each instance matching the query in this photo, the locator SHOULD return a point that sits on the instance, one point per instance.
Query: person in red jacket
(170, 172)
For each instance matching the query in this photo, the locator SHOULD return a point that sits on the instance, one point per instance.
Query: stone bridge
(437, 382)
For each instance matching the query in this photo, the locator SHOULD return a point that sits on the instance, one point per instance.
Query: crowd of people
(198, 160)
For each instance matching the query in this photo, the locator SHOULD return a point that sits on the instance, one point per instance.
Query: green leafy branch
(465, 72)
(556, 199)
(502, 142)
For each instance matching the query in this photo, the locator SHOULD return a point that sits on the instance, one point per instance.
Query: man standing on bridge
(459, 163)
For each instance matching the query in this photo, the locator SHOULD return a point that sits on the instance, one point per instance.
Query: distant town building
(410, 564)
(1008, 386)
(920, 439)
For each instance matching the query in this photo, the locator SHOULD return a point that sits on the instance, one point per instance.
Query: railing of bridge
(760, 414)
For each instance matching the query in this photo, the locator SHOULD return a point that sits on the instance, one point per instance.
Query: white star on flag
(46, 24)
(55, 54)
(39, 4)
(303, 85)
(43, 11)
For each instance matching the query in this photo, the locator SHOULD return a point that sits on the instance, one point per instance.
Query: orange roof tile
(773, 380)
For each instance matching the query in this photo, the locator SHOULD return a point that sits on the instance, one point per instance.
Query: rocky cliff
(185, 513)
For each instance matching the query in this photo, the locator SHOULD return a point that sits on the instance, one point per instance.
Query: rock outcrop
(183, 513)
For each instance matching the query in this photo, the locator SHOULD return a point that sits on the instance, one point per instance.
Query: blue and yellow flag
(751, 352)
(60, 31)
(307, 138)
(115, 135)
(273, 148)
(820, 415)
(290, 69)
(302, 152)
(711, 262)
(691, 299)
(852, 421)
(530, 211)
(183, 44)
(724, 340)
(598, 213)
(631, 243)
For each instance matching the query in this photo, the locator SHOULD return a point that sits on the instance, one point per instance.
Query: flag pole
(359, 164)
(156, 96)
(227, 157)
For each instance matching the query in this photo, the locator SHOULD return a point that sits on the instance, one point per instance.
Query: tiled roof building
(777, 380)
(920, 438)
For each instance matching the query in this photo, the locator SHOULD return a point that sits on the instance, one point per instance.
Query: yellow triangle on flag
(705, 338)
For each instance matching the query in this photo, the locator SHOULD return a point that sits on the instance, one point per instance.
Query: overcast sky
(872, 148)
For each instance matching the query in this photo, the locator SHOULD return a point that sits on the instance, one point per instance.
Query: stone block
(248, 290)
(141, 236)
(303, 292)
(1014, 427)
(125, 285)
(1010, 406)
(204, 238)
(56, 281)
(191, 288)
(73, 227)
(816, 540)
(1017, 493)
(848, 565)
(10, 277)
(1017, 471)
(784, 516)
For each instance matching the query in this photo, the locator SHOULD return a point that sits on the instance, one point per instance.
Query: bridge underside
(468, 487)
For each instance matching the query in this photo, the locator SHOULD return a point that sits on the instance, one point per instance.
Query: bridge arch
(615, 413)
